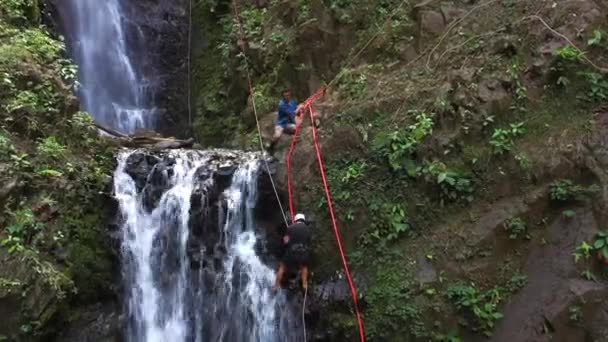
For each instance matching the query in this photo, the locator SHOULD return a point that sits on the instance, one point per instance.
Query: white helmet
(300, 217)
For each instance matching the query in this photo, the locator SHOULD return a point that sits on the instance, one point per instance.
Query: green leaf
(599, 243)
(49, 172)
(605, 252)
(400, 227)
(596, 39)
(569, 213)
(442, 176)
(602, 233)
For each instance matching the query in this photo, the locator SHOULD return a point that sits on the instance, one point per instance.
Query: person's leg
(280, 274)
(290, 129)
(304, 276)
(278, 131)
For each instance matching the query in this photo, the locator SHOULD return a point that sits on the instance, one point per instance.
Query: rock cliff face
(479, 68)
(159, 30)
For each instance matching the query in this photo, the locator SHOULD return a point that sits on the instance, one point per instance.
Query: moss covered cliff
(54, 177)
(465, 149)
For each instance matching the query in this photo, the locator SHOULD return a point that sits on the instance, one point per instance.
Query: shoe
(270, 148)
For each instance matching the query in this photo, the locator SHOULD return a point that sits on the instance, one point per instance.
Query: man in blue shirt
(286, 119)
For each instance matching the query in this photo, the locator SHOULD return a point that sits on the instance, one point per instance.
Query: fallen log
(143, 139)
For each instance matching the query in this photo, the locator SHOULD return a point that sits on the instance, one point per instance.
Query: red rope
(309, 101)
(351, 284)
(308, 105)
(288, 162)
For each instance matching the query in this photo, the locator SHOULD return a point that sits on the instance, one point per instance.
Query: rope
(351, 284)
(255, 111)
(320, 93)
(288, 159)
(190, 66)
(303, 314)
(306, 105)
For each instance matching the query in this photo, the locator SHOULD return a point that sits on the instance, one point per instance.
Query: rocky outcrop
(98, 323)
(30, 288)
(158, 34)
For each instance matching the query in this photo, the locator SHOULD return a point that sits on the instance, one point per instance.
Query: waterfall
(112, 90)
(190, 263)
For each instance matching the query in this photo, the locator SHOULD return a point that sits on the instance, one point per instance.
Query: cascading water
(111, 88)
(190, 264)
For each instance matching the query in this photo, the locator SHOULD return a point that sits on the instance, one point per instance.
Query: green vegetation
(597, 87)
(392, 298)
(390, 223)
(596, 39)
(398, 146)
(582, 251)
(601, 244)
(565, 190)
(60, 169)
(516, 227)
(455, 185)
(502, 140)
(575, 314)
(569, 53)
(484, 306)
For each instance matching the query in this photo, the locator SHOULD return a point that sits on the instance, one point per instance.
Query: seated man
(297, 242)
(286, 118)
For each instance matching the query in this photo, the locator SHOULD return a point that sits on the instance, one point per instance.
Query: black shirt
(299, 233)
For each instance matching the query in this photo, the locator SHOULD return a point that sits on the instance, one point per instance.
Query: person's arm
(293, 113)
(282, 111)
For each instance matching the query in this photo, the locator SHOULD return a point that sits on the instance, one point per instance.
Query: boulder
(432, 22)
(139, 166)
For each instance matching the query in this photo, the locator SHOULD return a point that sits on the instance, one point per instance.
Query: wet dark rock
(156, 185)
(224, 173)
(425, 271)
(335, 291)
(98, 323)
(139, 165)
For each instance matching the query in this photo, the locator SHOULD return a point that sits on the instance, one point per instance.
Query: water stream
(191, 268)
(176, 289)
(112, 90)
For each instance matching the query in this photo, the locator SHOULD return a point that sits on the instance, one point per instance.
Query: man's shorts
(296, 256)
(279, 129)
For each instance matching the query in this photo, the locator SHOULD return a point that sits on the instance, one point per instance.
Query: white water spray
(168, 300)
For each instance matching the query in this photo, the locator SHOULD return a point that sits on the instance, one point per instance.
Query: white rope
(255, 112)
(303, 312)
(190, 66)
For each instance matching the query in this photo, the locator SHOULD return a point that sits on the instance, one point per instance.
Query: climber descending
(297, 252)
(286, 118)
